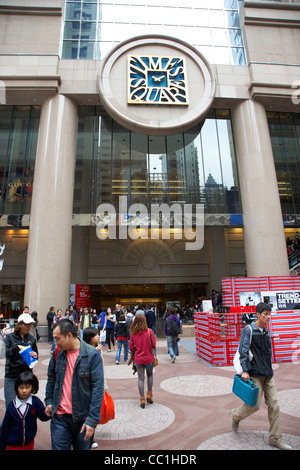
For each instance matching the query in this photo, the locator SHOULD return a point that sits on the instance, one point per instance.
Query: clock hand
(158, 79)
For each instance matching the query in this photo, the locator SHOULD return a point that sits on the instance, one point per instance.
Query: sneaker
(94, 445)
(280, 445)
(173, 359)
(117, 362)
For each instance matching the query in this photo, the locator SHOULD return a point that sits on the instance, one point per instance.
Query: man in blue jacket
(74, 389)
(259, 370)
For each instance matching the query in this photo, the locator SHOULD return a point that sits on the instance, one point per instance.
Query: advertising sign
(82, 296)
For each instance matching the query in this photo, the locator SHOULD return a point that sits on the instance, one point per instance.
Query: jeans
(172, 345)
(125, 345)
(65, 434)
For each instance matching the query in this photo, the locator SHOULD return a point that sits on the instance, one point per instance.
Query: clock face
(157, 80)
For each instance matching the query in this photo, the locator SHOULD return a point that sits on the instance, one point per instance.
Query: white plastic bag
(236, 359)
(102, 336)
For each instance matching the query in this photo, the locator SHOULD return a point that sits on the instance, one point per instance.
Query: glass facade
(285, 137)
(18, 138)
(93, 28)
(194, 167)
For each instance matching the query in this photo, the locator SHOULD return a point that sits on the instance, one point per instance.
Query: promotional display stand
(217, 335)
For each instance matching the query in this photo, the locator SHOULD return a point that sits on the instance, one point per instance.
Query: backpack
(172, 327)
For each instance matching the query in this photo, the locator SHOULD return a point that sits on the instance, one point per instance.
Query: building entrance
(104, 296)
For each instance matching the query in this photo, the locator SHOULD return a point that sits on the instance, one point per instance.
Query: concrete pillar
(47, 279)
(265, 246)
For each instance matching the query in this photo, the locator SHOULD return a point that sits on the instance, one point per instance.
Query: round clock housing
(156, 85)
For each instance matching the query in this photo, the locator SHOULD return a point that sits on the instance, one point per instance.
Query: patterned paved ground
(192, 407)
(132, 421)
(246, 440)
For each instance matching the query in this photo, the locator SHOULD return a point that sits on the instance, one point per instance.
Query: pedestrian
(74, 315)
(109, 327)
(57, 318)
(151, 320)
(101, 318)
(85, 321)
(15, 364)
(91, 336)
(118, 311)
(142, 342)
(122, 335)
(259, 370)
(19, 426)
(50, 316)
(74, 389)
(129, 317)
(172, 329)
(94, 318)
(34, 331)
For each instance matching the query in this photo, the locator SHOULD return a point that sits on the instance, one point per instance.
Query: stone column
(48, 266)
(265, 246)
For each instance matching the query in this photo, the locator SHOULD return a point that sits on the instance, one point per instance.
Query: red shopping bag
(107, 410)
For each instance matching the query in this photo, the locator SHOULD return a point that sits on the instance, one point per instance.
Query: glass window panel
(124, 13)
(88, 30)
(222, 54)
(175, 161)
(89, 12)
(219, 36)
(216, 4)
(217, 19)
(86, 50)
(120, 20)
(120, 163)
(140, 176)
(73, 11)
(202, 36)
(70, 50)
(238, 56)
(201, 18)
(72, 30)
(233, 19)
(103, 162)
(284, 128)
(231, 4)
(84, 161)
(192, 167)
(235, 37)
(18, 140)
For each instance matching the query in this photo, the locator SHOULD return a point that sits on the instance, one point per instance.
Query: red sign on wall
(82, 296)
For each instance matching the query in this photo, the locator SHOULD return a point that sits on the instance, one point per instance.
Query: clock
(157, 80)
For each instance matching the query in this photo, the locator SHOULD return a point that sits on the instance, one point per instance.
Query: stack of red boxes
(217, 334)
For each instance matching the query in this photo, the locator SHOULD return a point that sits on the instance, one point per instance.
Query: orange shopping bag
(107, 410)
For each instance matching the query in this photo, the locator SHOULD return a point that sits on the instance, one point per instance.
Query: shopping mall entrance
(155, 271)
(103, 296)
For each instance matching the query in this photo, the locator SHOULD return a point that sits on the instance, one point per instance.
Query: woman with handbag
(142, 341)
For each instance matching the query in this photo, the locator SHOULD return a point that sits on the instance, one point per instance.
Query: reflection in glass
(285, 138)
(18, 140)
(213, 27)
(194, 167)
